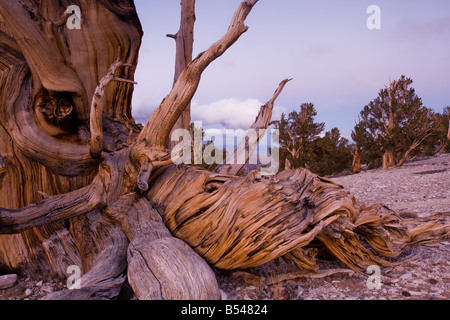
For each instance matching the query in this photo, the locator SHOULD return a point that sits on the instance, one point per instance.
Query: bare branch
(53, 209)
(63, 20)
(144, 174)
(157, 129)
(96, 123)
(261, 123)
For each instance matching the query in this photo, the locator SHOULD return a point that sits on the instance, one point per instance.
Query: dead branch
(296, 275)
(184, 41)
(157, 129)
(105, 273)
(257, 280)
(261, 123)
(170, 221)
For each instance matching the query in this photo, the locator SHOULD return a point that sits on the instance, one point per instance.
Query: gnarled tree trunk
(82, 185)
(48, 76)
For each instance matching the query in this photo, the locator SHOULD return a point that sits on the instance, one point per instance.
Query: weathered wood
(257, 280)
(104, 261)
(357, 159)
(96, 118)
(244, 230)
(46, 67)
(156, 131)
(52, 209)
(296, 275)
(160, 267)
(128, 208)
(63, 157)
(161, 122)
(277, 216)
(184, 41)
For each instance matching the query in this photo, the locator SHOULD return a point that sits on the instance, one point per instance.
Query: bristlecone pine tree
(298, 131)
(396, 124)
(81, 184)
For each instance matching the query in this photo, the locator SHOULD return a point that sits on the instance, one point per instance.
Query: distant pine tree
(302, 145)
(395, 126)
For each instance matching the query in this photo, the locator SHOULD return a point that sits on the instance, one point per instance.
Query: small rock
(28, 292)
(39, 284)
(223, 295)
(8, 281)
(335, 281)
(432, 281)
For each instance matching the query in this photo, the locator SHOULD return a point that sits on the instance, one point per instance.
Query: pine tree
(395, 125)
(443, 128)
(298, 131)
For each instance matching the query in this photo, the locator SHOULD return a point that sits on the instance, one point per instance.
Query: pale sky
(337, 63)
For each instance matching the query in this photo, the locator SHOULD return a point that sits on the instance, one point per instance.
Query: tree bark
(160, 267)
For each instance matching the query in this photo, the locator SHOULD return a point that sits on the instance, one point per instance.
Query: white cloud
(143, 107)
(230, 113)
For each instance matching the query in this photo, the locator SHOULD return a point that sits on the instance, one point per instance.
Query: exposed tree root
(270, 217)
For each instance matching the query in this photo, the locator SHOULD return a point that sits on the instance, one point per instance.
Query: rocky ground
(420, 188)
